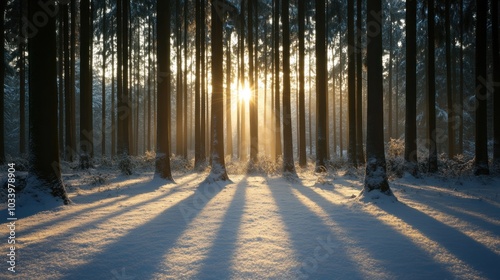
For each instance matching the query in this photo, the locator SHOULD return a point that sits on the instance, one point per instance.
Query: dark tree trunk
(69, 99)
(390, 118)
(277, 109)
(179, 114)
(44, 155)
(321, 91)
(22, 83)
(302, 105)
(481, 160)
(376, 176)
(2, 80)
(254, 137)
(496, 85)
(460, 148)
(199, 157)
(60, 74)
(449, 88)
(123, 106)
(163, 117)
(86, 125)
(72, 109)
(431, 99)
(229, 125)
(149, 115)
(218, 171)
(113, 116)
(411, 86)
(359, 87)
(352, 158)
(103, 116)
(288, 164)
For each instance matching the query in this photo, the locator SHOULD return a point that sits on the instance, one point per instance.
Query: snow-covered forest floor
(258, 226)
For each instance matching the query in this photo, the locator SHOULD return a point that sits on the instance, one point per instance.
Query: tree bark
(411, 86)
(163, 116)
(321, 91)
(44, 155)
(352, 158)
(431, 99)
(376, 176)
(302, 109)
(288, 164)
(481, 145)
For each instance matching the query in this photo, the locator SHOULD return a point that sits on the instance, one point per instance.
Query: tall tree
(103, 112)
(359, 86)
(376, 175)
(69, 99)
(431, 98)
(288, 164)
(276, 47)
(449, 87)
(351, 83)
(86, 122)
(22, 83)
(496, 84)
(411, 86)
(163, 117)
(199, 156)
(302, 105)
(229, 125)
(2, 80)
(218, 171)
(179, 114)
(44, 155)
(481, 160)
(321, 91)
(254, 136)
(123, 106)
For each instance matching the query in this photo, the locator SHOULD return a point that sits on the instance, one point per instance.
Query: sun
(245, 94)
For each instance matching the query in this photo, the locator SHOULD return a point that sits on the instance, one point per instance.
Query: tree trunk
(60, 74)
(163, 54)
(44, 156)
(481, 160)
(22, 84)
(86, 125)
(359, 87)
(411, 86)
(352, 158)
(229, 125)
(321, 92)
(496, 85)
(218, 171)
(449, 88)
(179, 100)
(390, 118)
(277, 109)
(2, 80)
(376, 176)
(103, 116)
(302, 109)
(431, 99)
(288, 164)
(254, 137)
(460, 148)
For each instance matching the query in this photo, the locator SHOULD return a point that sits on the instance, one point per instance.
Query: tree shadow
(224, 245)
(463, 247)
(354, 225)
(307, 233)
(141, 251)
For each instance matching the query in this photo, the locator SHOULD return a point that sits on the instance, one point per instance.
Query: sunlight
(245, 94)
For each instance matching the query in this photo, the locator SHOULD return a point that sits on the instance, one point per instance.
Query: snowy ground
(260, 227)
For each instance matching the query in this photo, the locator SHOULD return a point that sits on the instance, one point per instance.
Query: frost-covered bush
(126, 165)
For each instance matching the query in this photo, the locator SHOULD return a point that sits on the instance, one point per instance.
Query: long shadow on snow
(141, 254)
(304, 227)
(380, 252)
(468, 250)
(83, 226)
(218, 261)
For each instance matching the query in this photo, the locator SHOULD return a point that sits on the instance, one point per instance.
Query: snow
(259, 227)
